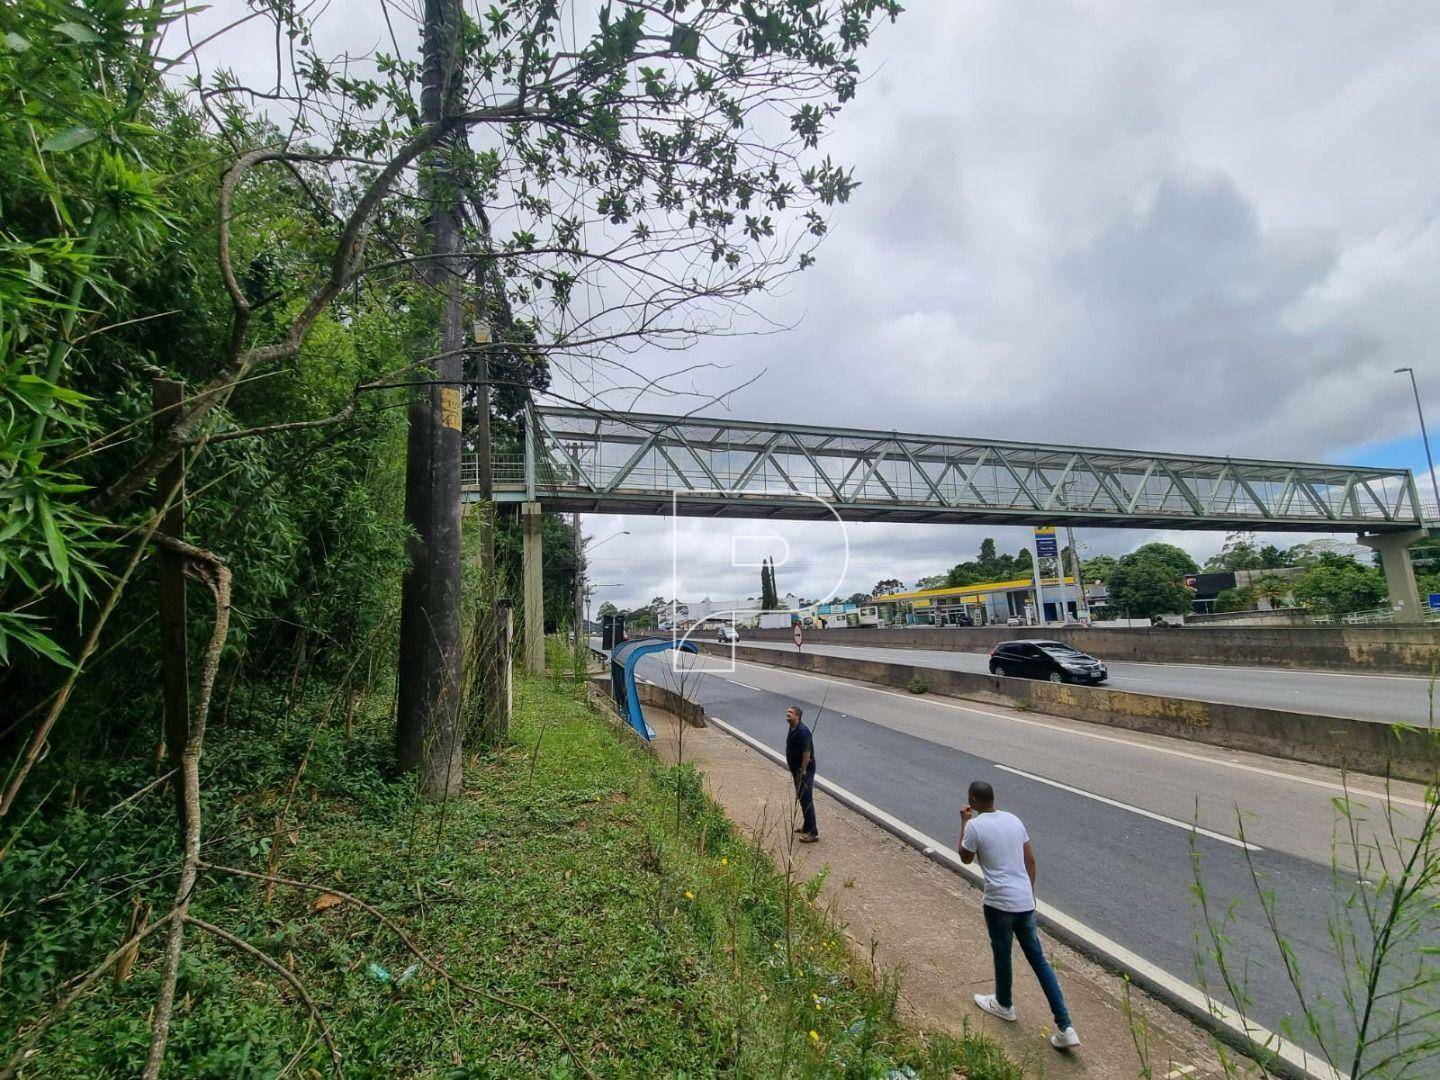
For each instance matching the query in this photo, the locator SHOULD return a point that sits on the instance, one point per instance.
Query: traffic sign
(1047, 545)
(1435, 601)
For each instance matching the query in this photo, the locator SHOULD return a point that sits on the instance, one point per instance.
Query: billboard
(1047, 545)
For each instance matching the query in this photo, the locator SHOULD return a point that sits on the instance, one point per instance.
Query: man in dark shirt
(800, 756)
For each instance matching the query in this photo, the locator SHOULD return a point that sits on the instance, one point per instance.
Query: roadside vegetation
(564, 920)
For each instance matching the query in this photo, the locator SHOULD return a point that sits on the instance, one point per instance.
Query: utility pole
(427, 726)
(1039, 591)
(1424, 435)
(1082, 606)
(579, 588)
(482, 336)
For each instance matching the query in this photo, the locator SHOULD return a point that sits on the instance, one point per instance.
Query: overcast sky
(1204, 227)
(1195, 226)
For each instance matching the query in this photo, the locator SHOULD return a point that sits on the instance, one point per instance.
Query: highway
(1382, 698)
(1110, 814)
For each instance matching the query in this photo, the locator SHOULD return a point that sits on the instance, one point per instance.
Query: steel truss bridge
(595, 461)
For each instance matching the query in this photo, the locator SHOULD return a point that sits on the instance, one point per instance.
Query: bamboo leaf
(59, 556)
(75, 32)
(69, 139)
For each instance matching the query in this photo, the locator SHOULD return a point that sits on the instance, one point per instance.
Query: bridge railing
(603, 458)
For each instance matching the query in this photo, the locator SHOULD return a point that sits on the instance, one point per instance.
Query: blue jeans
(1003, 925)
(805, 792)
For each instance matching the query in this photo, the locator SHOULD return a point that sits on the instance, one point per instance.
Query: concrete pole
(1039, 591)
(1394, 549)
(530, 557)
(579, 588)
(1082, 598)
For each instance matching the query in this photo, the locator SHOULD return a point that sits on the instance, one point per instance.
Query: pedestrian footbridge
(597, 461)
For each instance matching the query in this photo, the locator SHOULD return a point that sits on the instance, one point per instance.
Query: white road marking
(1136, 963)
(1015, 718)
(1188, 827)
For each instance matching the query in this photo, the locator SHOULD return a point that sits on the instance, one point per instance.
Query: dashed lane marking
(1187, 826)
(1398, 800)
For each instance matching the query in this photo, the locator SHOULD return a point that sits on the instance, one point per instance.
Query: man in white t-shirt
(999, 841)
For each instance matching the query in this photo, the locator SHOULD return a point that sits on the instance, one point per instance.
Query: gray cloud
(1188, 226)
(1191, 226)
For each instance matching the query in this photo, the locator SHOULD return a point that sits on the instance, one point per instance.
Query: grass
(563, 882)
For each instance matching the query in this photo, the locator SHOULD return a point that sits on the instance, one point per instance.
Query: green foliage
(666, 947)
(769, 593)
(1148, 582)
(1272, 587)
(1099, 568)
(1173, 558)
(917, 685)
(1339, 585)
(989, 567)
(1242, 599)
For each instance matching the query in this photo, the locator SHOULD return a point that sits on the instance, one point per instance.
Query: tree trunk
(174, 650)
(427, 727)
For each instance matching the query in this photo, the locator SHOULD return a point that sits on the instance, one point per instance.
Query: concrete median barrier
(1403, 650)
(1358, 745)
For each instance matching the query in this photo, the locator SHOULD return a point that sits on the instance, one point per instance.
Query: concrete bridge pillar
(534, 588)
(1394, 549)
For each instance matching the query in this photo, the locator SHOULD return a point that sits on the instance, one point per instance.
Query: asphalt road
(1382, 698)
(1111, 816)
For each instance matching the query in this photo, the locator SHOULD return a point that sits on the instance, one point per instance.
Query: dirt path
(924, 922)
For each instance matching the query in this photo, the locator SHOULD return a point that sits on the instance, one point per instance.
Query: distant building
(1207, 586)
(723, 612)
(984, 603)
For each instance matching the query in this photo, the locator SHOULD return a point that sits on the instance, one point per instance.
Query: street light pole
(1424, 435)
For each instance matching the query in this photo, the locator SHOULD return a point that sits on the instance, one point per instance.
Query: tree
(859, 598)
(1272, 558)
(1241, 599)
(1273, 589)
(1099, 568)
(1238, 553)
(628, 186)
(1146, 586)
(1177, 560)
(934, 581)
(1338, 585)
(989, 567)
(769, 596)
(886, 586)
(607, 608)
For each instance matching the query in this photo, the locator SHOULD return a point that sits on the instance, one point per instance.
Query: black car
(1053, 660)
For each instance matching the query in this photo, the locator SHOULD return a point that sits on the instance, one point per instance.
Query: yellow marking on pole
(450, 407)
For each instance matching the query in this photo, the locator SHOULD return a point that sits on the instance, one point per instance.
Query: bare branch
(284, 973)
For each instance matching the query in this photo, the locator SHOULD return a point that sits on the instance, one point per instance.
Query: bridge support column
(1394, 549)
(534, 588)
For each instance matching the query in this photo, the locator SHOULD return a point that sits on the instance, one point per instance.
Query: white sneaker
(992, 1005)
(1065, 1039)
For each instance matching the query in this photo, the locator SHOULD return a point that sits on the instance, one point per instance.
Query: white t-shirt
(997, 839)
